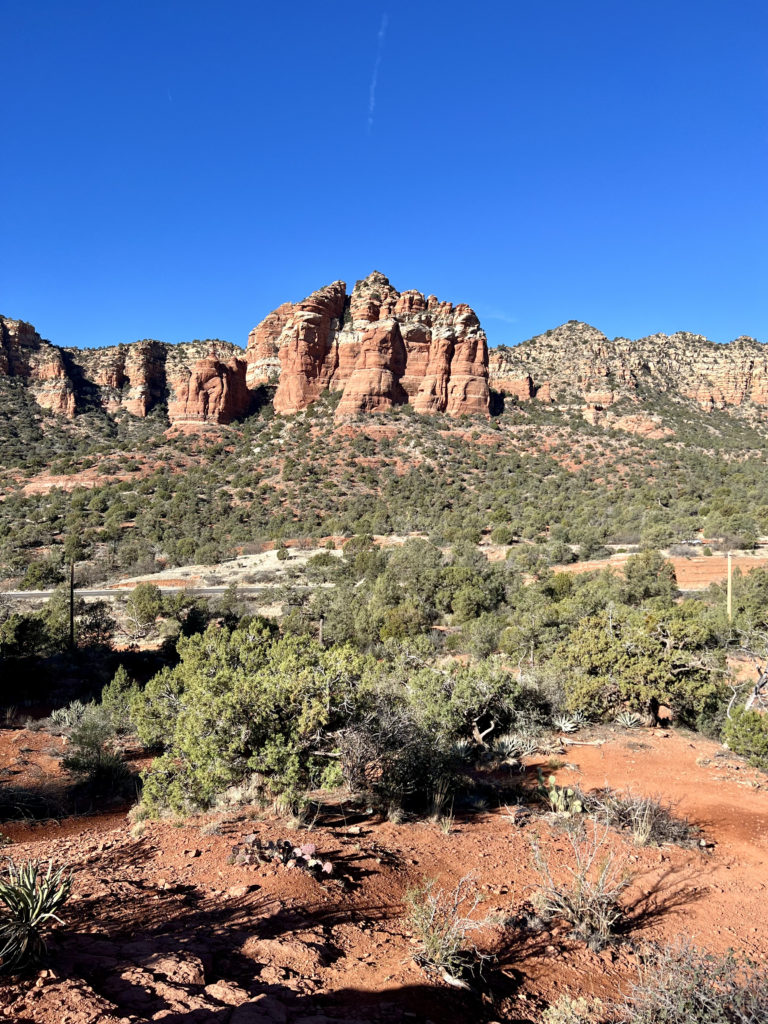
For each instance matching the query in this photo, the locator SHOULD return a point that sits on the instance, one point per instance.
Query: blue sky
(178, 169)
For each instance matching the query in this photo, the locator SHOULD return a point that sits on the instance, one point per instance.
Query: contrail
(376, 66)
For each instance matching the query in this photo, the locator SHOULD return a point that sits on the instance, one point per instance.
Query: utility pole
(729, 590)
(72, 606)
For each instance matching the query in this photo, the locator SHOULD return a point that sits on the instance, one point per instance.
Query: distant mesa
(381, 348)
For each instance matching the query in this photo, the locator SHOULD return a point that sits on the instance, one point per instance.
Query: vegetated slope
(124, 491)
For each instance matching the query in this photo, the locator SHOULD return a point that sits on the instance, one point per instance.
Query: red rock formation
(432, 395)
(585, 367)
(323, 344)
(375, 380)
(264, 346)
(425, 351)
(210, 391)
(468, 381)
(308, 348)
(24, 354)
(202, 381)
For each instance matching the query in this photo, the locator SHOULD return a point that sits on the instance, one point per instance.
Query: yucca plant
(29, 901)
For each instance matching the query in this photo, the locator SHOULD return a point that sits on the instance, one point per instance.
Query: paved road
(108, 592)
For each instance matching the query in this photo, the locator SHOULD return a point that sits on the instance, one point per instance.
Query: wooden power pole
(72, 606)
(729, 590)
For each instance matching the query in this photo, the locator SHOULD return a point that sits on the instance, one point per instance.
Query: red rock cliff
(200, 381)
(376, 345)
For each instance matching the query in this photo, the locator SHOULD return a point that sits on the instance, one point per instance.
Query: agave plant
(464, 750)
(629, 719)
(29, 901)
(566, 723)
(506, 747)
(526, 742)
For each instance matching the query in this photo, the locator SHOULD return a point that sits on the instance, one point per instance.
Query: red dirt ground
(695, 573)
(161, 927)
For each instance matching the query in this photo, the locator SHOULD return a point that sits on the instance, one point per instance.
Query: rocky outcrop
(207, 389)
(374, 383)
(380, 347)
(25, 355)
(200, 382)
(308, 349)
(576, 363)
(264, 347)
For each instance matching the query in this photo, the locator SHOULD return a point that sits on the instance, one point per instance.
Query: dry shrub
(441, 921)
(680, 984)
(574, 1010)
(588, 898)
(650, 821)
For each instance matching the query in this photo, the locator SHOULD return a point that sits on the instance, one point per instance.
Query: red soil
(162, 927)
(695, 573)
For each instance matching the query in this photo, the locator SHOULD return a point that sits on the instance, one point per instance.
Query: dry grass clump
(574, 1010)
(650, 821)
(441, 921)
(588, 897)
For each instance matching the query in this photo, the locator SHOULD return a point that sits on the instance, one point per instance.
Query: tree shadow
(669, 893)
(116, 936)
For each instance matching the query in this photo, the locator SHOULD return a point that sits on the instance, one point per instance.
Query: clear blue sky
(177, 169)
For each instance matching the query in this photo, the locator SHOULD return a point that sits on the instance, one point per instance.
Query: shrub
(572, 1010)
(142, 608)
(241, 702)
(684, 985)
(441, 921)
(92, 755)
(396, 762)
(116, 700)
(649, 820)
(69, 716)
(746, 732)
(589, 898)
(29, 901)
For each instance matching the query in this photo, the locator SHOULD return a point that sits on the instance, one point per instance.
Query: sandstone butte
(377, 346)
(381, 348)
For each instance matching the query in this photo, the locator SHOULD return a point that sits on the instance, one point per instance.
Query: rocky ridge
(577, 363)
(379, 347)
(382, 348)
(200, 381)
